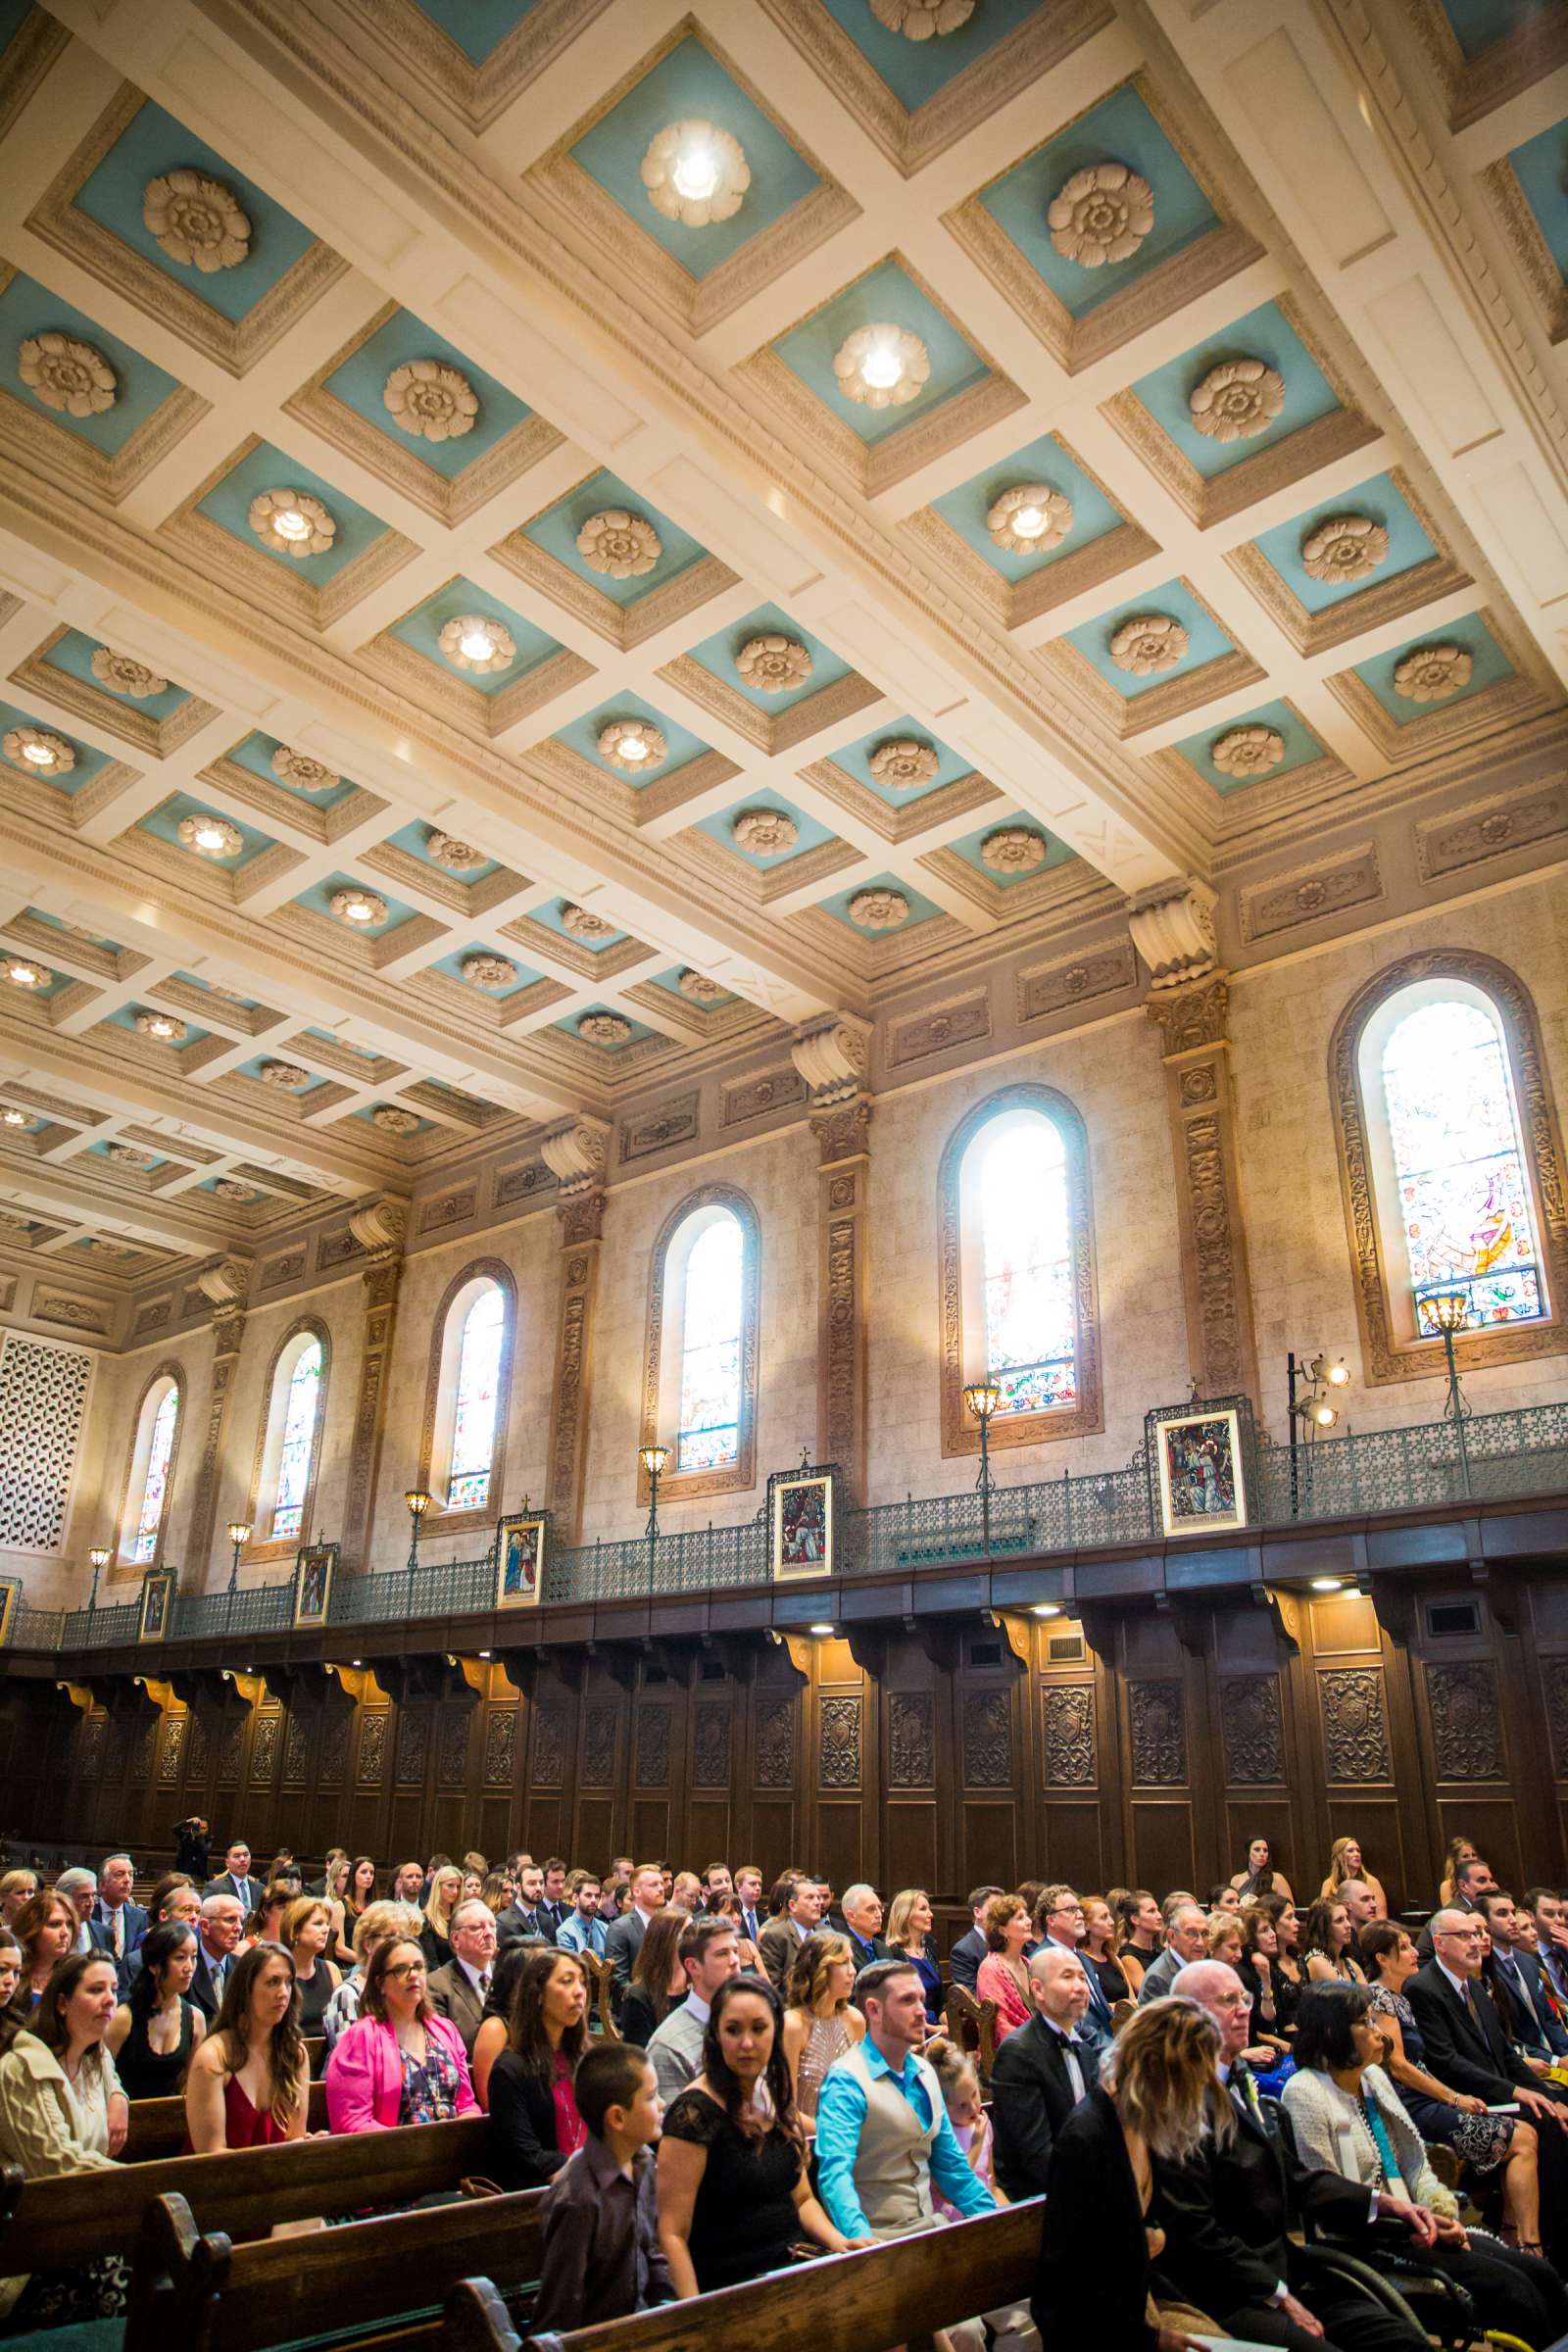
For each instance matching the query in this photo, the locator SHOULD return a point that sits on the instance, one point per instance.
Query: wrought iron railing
(1488, 1458)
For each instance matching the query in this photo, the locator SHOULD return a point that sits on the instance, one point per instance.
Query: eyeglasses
(408, 1968)
(1458, 1935)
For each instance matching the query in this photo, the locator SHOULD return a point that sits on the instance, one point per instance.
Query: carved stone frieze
(569, 1400)
(657, 1129)
(1491, 828)
(755, 1098)
(1356, 1731)
(1192, 1016)
(517, 1184)
(911, 1739)
(1466, 1721)
(1157, 1725)
(939, 1031)
(987, 1739)
(1075, 980)
(448, 1209)
(1069, 1744)
(1351, 879)
(839, 1751)
(1192, 1022)
(1253, 1734)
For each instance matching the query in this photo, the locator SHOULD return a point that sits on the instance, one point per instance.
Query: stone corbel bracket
(379, 1226)
(1173, 930)
(576, 1151)
(833, 1056)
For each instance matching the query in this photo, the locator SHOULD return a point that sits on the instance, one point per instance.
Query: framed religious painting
(802, 1519)
(315, 1567)
(1202, 1457)
(9, 1605)
(521, 1538)
(158, 1589)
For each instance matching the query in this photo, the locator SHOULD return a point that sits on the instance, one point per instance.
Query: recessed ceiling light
(473, 642)
(1328, 1583)
(158, 1026)
(822, 1630)
(882, 366)
(1048, 1608)
(632, 747)
(1029, 521)
(40, 749)
(695, 173)
(358, 910)
(291, 522)
(21, 974)
(37, 755)
(14, 1119)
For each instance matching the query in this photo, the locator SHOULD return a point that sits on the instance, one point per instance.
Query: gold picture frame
(156, 1614)
(521, 1541)
(314, 1568)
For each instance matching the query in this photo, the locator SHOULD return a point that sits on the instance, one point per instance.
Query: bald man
(1041, 2072)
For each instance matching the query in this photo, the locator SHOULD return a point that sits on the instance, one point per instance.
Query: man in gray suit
(458, 1990)
(783, 1936)
(1185, 1942)
(625, 1938)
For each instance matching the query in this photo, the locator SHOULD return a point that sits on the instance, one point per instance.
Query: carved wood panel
(710, 1743)
(1355, 1730)
(839, 1757)
(1069, 1744)
(987, 1739)
(776, 1743)
(911, 1744)
(600, 1722)
(1252, 1732)
(1157, 1725)
(1466, 1728)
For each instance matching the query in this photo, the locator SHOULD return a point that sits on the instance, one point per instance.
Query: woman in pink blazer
(399, 2063)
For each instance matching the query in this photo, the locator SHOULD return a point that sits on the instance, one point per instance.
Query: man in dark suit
(1550, 1916)
(1518, 1990)
(963, 1961)
(527, 1914)
(217, 1938)
(1471, 1880)
(236, 1879)
(124, 1920)
(624, 1939)
(554, 1908)
(1059, 1921)
(1229, 2210)
(862, 1925)
(459, 1990)
(1041, 2072)
(787, 1928)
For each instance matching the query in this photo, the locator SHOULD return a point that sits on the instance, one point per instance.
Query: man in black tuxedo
(1041, 2072)
(1467, 2049)
(1229, 2210)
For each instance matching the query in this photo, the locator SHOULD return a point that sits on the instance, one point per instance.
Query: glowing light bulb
(161, 1027)
(477, 644)
(360, 910)
(1029, 522)
(1337, 1375)
(695, 173)
(14, 1118)
(633, 746)
(290, 523)
(38, 754)
(25, 975)
(1324, 1415)
(210, 837)
(882, 366)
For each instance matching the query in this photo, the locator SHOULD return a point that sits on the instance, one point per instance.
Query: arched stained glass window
(156, 1454)
(299, 1437)
(708, 1432)
(1458, 1163)
(1019, 1176)
(478, 1387)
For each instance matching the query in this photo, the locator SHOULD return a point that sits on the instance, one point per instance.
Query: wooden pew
(158, 2125)
(601, 1974)
(205, 2294)
(972, 2026)
(893, 2294)
(79, 2216)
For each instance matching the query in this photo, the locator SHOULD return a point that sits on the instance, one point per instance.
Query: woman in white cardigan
(62, 2110)
(1349, 2118)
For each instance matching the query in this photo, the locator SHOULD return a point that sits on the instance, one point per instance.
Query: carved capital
(1192, 1016)
(582, 1217)
(226, 1285)
(574, 1151)
(843, 1132)
(832, 1055)
(379, 1226)
(1173, 930)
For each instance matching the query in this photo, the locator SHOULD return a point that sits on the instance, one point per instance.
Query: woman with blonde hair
(446, 1894)
(1099, 1949)
(17, 1887)
(1460, 1849)
(1157, 2098)
(911, 1920)
(306, 1933)
(1346, 1861)
(819, 2024)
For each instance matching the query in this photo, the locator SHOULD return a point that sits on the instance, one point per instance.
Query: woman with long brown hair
(46, 1930)
(398, 2062)
(733, 2189)
(658, 1976)
(1327, 1946)
(63, 2110)
(819, 2024)
(534, 2124)
(248, 2083)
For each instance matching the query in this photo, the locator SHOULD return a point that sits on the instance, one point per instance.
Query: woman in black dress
(157, 2029)
(658, 1978)
(733, 2192)
(306, 1929)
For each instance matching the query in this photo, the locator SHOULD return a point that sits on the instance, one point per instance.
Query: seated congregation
(491, 2105)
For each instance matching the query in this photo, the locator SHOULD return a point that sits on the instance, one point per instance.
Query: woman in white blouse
(62, 2110)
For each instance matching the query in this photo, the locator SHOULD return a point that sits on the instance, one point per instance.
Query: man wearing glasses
(1059, 1921)
(1467, 2050)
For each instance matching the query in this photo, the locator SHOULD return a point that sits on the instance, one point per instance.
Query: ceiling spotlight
(1328, 1583)
(883, 364)
(1029, 521)
(159, 1025)
(476, 644)
(21, 974)
(37, 755)
(210, 837)
(358, 910)
(473, 642)
(823, 1631)
(290, 523)
(1048, 1608)
(695, 173)
(633, 746)
(14, 1118)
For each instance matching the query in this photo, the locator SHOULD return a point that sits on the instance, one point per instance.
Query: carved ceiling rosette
(1013, 849)
(1347, 546)
(903, 762)
(879, 910)
(1102, 214)
(619, 543)
(301, 771)
(288, 1077)
(696, 173)
(392, 1119)
(63, 374)
(765, 832)
(1431, 673)
(163, 1026)
(633, 744)
(1149, 642)
(122, 674)
(198, 221)
(773, 664)
(604, 1028)
(1250, 751)
(491, 973)
(583, 925)
(1029, 518)
(293, 523)
(922, 19)
(1238, 400)
(699, 988)
(430, 400)
(882, 367)
(39, 750)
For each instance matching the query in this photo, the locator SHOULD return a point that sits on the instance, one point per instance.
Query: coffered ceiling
(504, 596)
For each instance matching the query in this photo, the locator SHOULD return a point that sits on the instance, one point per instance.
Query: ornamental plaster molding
(230, 1188)
(1149, 642)
(833, 1056)
(620, 543)
(131, 1155)
(198, 221)
(582, 924)
(724, 154)
(773, 664)
(23, 746)
(765, 832)
(221, 839)
(1238, 400)
(863, 348)
(502, 645)
(575, 1153)
(226, 1284)
(1347, 546)
(380, 1225)
(393, 1119)
(1248, 751)
(1173, 930)
(430, 401)
(122, 674)
(903, 762)
(1431, 673)
(1013, 850)
(66, 374)
(301, 771)
(341, 901)
(457, 856)
(269, 509)
(922, 19)
(493, 974)
(163, 1027)
(287, 1077)
(879, 910)
(604, 1028)
(699, 988)
(1046, 514)
(649, 751)
(1100, 215)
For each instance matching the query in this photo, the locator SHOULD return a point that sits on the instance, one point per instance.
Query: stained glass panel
(1463, 1199)
(299, 1433)
(1026, 1226)
(473, 1424)
(149, 1518)
(708, 1436)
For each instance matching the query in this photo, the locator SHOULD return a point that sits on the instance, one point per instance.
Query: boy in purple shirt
(601, 2257)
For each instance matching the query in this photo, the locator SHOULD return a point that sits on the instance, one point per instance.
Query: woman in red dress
(249, 2081)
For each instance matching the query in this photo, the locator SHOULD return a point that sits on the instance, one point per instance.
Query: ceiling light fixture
(39, 749)
(695, 173)
(882, 366)
(14, 1119)
(211, 836)
(163, 1026)
(1048, 1608)
(1328, 1583)
(473, 642)
(23, 974)
(823, 1632)
(291, 522)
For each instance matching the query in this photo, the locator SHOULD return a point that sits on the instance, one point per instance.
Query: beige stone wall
(779, 1177)
(1282, 1019)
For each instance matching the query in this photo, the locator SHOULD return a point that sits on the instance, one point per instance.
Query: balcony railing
(1491, 1458)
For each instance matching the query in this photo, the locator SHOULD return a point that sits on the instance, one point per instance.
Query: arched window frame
(960, 1245)
(168, 1376)
(441, 1393)
(1390, 1348)
(665, 1316)
(264, 1545)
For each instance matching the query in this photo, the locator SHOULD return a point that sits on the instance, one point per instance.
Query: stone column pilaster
(380, 1229)
(576, 1154)
(832, 1055)
(225, 1287)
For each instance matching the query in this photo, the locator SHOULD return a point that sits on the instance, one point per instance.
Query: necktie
(484, 1985)
(118, 1922)
(1474, 2008)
